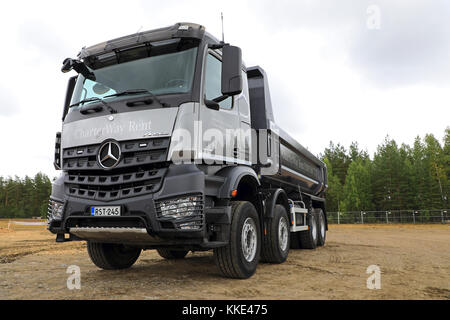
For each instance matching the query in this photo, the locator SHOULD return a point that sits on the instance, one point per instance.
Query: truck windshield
(163, 74)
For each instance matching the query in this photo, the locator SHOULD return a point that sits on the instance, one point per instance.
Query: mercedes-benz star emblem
(109, 155)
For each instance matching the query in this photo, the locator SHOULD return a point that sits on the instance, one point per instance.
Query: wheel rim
(249, 239)
(283, 234)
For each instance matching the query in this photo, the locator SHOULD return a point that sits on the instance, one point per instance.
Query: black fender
(233, 175)
(277, 196)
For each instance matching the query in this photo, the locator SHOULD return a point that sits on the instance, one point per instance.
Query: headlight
(181, 207)
(55, 210)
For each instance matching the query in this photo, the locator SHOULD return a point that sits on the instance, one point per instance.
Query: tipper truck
(168, 142)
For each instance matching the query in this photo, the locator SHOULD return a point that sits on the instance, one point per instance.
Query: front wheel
(111, 256)
(239, 258)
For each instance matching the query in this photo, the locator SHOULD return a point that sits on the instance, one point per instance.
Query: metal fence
(393, 216)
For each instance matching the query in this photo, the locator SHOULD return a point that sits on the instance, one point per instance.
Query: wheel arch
(234, 175)
(246, 183)
(278, 196)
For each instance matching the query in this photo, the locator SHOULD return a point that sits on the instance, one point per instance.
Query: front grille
(113, 186)
(134, 153)
(140, 171)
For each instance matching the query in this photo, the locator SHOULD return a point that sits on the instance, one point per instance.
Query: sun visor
(179, 30)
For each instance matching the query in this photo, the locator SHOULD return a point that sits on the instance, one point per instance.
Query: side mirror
(77, 65)
(69, 92)
(68, 64)
(231, 70)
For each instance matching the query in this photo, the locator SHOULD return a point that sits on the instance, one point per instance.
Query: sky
(341, 71)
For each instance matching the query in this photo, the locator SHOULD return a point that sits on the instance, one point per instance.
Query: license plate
(105, 211)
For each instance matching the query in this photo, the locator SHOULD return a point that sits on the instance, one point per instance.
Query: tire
(276, 240)
(308, 239)
(240, 257)
(110, 256)
(321, 227)
(172, 254)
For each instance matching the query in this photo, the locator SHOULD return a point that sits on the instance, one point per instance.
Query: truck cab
(168, 143)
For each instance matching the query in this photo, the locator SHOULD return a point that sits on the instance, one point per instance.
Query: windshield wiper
(93, 99)
(138, 91)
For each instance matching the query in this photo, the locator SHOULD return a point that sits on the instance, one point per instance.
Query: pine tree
(434, 161)
(334, 191)
(357, 195)
(446, 166)
(338, 159)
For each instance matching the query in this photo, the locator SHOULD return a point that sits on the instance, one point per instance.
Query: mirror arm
(79, 66)
(212, 104)
(217, 46)
(221, 98)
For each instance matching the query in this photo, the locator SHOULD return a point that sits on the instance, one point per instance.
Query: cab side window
(213, 81)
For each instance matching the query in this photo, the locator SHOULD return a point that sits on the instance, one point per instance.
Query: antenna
(223, 37)
(139, 34)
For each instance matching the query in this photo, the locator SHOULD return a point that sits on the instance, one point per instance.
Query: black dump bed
(297, 167)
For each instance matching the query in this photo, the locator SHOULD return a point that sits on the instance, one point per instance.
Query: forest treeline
(396, 178)
(24, 197)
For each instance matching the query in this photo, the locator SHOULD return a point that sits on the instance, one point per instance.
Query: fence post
(338, 217)
(362, 217)
(414, 217)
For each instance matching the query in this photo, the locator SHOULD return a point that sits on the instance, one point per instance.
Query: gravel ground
(414, 261)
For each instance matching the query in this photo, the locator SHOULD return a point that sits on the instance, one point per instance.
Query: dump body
(296, 167)
(299, 166)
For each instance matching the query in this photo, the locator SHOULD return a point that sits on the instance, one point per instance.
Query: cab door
(245, 141)
(219, 128)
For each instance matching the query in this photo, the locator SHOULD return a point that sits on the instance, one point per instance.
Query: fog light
(55, 210)
(181, 207)
(192, 225)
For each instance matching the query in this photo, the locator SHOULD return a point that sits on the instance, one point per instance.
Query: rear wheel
(308, 238)
(112, 256)
(171, 254)
(321, 227)
(276, 241)
(239, 258)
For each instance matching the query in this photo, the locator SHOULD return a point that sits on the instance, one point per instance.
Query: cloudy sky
(347, 70)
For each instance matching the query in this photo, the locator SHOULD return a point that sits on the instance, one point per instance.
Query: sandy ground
(414, 262)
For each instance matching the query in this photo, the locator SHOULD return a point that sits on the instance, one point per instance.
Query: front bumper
(141, 222)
